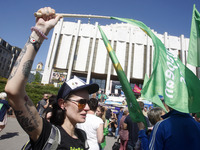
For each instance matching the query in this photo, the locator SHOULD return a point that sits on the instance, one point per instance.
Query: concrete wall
(78, 48)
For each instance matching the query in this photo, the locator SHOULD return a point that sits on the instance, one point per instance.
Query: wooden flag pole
(36, 14)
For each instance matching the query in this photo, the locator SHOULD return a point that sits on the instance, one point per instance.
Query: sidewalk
(13, 137)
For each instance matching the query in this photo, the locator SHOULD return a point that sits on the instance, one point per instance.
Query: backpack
(52, 142)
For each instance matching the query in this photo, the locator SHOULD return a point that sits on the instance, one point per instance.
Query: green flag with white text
(194, 44)
(170, 78)
(156, 98)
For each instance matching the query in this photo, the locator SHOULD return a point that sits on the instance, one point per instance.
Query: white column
(129, 55)
(182, 45)
(73, 51)
(148, 57)
(51, 53)
(166, 40)
(109, 67)
(92, 54)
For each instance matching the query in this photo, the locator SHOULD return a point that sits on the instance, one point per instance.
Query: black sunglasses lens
(82, 101)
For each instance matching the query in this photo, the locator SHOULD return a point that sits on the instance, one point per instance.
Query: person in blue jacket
(4, 107)
(178, 131)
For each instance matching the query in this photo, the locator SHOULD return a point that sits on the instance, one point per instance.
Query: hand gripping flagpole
(37, 14)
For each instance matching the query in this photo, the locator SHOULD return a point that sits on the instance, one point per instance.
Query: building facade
(78, 49)
(8, 56)
(39, 70)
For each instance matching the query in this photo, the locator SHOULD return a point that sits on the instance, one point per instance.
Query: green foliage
(2, 84)
(37, 77)
(34, 91)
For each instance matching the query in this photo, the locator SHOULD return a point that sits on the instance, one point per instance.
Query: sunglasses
(80, 103)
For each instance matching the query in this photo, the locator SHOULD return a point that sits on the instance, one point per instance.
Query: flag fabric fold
(146, 79)
(156, 99)
(194, 44)
(170, 77)
(133, 106)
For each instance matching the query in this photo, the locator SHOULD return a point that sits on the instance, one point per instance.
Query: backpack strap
(27, 146)
(53, 140)
(82, 136)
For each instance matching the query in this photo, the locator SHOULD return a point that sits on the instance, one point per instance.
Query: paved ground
(13, 137)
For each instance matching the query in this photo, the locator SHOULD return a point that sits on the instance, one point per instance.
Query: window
(4, 43)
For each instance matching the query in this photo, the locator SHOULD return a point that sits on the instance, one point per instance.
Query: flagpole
(37, 14)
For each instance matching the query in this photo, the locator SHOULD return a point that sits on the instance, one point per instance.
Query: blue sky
(172, 16)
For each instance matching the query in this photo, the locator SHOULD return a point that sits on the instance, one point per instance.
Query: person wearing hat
(71, 106)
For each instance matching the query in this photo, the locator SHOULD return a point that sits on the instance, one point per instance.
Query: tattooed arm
(24, 109)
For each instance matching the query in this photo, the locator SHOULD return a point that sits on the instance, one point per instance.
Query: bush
(2, 84)
(34, 91)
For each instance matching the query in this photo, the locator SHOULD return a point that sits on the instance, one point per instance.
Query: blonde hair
(3, 95)
(103, 112)
(126, 111)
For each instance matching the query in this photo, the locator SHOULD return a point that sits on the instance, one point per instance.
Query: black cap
(76, 84)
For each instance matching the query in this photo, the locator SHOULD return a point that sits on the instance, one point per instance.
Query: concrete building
(78, 49)
(33, 72)
(8, 56)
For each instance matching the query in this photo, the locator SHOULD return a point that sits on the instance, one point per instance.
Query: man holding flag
(179, 130)
(180, 89)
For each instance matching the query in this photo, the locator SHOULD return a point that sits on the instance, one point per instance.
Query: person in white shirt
(93, 126)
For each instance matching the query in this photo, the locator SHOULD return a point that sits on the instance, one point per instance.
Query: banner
(194, 44)
(170, 78)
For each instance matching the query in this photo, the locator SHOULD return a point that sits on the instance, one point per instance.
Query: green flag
(170, 78)
(146, 79)
(133, 106)
(194, 44)
(156, 98)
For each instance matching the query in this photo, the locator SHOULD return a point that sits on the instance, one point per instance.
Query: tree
(37, 77)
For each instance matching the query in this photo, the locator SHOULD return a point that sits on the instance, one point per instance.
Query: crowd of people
(100, 121)
(73, 120)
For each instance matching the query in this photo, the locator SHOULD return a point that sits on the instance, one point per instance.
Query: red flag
(137, 89)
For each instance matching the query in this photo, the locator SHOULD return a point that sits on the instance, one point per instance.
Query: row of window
(3, 67)
(5, 44)
(145, 63)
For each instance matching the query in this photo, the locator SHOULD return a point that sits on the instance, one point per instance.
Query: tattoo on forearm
(27, 68)
(16, 66)
(27, 121)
